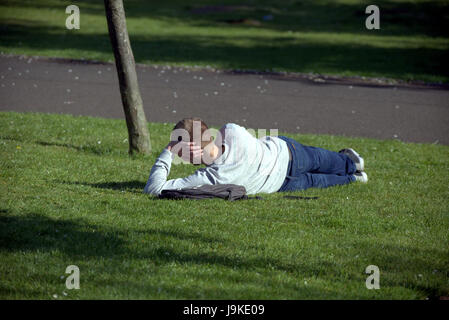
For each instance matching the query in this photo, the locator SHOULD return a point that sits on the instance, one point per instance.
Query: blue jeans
(315, 167)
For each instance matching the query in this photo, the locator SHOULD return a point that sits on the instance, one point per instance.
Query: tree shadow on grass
(397, 18)
(89, 149)
(134, 186)
(286, 53)
(34, 232)
(76, 238)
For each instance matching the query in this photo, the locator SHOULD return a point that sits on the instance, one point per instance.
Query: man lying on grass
(266, 165)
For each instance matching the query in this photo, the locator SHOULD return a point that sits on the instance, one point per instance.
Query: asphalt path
(289, 103)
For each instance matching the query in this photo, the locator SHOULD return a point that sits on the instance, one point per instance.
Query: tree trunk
(139, 138)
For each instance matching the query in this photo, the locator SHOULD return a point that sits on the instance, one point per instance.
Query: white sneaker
(361, 177)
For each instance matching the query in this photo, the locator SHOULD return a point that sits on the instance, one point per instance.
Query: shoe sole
(363, 177)
(360, 166)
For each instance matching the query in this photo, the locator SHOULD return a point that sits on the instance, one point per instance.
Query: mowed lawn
(318, 36)
(71, 195)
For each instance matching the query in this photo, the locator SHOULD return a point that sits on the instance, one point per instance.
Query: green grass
(319, 36)
(71, 195)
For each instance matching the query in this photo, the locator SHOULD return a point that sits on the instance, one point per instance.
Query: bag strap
(252, 198)
(286, 197)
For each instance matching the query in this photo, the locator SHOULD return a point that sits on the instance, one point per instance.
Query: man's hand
(195, 152)
(170, 145)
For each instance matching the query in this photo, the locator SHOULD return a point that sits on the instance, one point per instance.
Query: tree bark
(139, 138)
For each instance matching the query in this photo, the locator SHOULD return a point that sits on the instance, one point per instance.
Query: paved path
(292, 104)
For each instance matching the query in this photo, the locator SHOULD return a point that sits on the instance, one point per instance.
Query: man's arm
(157, 180)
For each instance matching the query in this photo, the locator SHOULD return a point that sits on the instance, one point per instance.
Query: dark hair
(187, 124)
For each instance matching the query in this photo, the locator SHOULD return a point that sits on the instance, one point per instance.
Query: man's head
(193, 130)
(195, 127)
